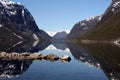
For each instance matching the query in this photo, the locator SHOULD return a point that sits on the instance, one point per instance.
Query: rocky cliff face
(84, 26)
(16, 23)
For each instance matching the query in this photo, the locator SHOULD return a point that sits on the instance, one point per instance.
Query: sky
(62, 15)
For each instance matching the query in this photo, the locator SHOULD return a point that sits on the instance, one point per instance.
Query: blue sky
(59, 15)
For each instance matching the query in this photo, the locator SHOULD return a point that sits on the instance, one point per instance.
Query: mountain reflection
(13, 68)
(105, 57)
(109, 58)
(61, 46)
(23, 47)
(80, 54)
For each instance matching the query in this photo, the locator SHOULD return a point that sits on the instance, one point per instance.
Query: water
(89, 62)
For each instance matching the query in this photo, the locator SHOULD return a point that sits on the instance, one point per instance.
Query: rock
(51, 57)
(35, 56)
(65, 58)
(25, 54)
(2, 54)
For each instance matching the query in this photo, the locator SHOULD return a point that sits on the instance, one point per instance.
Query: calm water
(89, 62)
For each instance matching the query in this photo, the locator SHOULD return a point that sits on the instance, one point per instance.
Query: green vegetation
(107, 30)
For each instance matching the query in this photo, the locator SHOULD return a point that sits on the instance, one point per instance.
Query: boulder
(51, 57)
(65, 58)
(35, 56)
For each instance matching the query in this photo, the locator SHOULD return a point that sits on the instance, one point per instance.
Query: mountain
(60, 35)
(109, 26)
(51, 33)
(84, 26)
(17, 24)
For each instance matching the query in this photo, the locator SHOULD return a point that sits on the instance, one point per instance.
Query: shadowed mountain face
(13, 68)
(108, 56)
(84, 26)
(16, 23)
(109, 26)
(60, 35)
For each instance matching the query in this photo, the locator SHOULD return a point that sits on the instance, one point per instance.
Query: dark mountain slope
(17, 21)
(109, 27)
(82, 27)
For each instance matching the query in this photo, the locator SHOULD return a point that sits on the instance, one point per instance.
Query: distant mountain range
(105, 27)
(60, 35)
(17, 24)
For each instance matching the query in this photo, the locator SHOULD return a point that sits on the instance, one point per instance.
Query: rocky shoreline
(33, 56)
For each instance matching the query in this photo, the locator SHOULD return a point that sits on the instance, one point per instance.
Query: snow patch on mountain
(90, 18)
(36, 40)
(35, 37)
(115, 6)
(0, 25)
(51, 33)
(83, 22)
(9, 6)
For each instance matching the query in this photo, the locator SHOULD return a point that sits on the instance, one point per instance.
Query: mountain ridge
(16, 20)
(109, 26)
(83, 26)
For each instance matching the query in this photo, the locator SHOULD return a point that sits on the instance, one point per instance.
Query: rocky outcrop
(16, 23)
(33, 56)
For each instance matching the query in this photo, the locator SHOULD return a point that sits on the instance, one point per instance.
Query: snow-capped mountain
(108, 28)
(83, 26)
(16, 23)
(51, 33)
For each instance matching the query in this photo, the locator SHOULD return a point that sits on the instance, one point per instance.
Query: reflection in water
(96, 55)
(80, 54)
(13, 68)
(105, 57)
(109, 58)
(61, 46)
(23, 47)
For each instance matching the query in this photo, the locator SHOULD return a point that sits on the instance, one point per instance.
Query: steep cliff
(17, 23)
